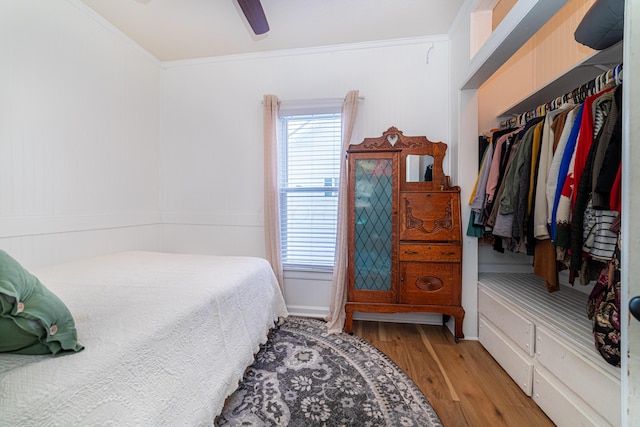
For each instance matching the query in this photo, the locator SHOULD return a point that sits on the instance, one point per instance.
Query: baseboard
(418, 318)
(322, 312)
(308, 311)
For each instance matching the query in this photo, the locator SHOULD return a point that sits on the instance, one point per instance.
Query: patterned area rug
(304, 376)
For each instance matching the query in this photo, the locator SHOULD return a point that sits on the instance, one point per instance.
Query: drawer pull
(429, 283)
(411, 252)
(448, 253)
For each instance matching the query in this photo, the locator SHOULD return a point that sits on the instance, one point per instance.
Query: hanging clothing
(612, 158)
(585, 138)
(561, 213)
(541, 208)
(475, 228)
(508, 202)
(500, 147)
(537, 185)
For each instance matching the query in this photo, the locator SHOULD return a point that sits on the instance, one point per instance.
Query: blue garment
(564, 167)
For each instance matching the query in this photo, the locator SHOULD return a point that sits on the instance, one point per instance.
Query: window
(310, 146)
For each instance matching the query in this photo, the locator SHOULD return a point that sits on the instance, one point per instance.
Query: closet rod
(578, 95)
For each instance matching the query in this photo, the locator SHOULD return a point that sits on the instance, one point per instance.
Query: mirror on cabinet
(419, 168)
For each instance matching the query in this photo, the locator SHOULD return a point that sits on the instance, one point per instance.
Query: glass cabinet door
(373, 223)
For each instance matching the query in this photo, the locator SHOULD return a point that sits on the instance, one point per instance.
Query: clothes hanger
(540, 110)
(604, 80)
(576, 95)
(618, 74)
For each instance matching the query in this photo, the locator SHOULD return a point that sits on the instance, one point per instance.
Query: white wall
(79, 131)
(102, 148)
(464, 118)
(212, 139)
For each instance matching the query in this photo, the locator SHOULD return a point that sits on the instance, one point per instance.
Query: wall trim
(221, 218)
(415, 318)
(113, 29)
(308, 311)
(50, 224)
(306, 51)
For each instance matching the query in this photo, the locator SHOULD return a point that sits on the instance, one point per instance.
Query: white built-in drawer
(590, 382)
(561, 405)
(518, 365)
(519, 329)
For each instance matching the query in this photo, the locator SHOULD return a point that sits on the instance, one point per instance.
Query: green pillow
(33, 320)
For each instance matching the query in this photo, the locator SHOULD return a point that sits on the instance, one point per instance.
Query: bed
(166, 339)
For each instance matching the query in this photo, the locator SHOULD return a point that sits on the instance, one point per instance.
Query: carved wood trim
(429, 283)
(393, 138)
(444, 223)
(411, 221)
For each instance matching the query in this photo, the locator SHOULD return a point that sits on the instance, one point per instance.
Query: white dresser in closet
(544, 342)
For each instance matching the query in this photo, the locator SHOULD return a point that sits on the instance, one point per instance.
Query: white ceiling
(188, 29)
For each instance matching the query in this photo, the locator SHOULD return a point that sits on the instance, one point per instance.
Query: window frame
(298, 109)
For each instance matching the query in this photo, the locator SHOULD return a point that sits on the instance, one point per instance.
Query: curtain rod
(314, 101)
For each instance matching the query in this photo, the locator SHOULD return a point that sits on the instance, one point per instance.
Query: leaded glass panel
(372, 222)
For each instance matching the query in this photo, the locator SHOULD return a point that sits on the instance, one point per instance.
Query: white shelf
(580, 74)
(524, 19)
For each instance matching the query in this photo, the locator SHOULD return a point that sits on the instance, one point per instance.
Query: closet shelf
(524, 19)
(590, 68)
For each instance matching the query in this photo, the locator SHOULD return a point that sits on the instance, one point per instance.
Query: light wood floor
(464, 384)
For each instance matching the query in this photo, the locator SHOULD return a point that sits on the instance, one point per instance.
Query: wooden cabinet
(405, 235)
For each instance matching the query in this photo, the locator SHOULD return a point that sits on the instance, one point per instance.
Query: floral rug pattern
(304, 376)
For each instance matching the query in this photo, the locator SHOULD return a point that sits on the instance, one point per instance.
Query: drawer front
(430, 283)
(515, 363)
(588, 381)
(520, 330)
(430, 252)
(430, 216)
(561, 405)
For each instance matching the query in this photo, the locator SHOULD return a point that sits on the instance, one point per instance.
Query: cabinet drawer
(561, 405)
(430, 252)
(430, 216)
(592, 384)
(520, 330)
(430, 283)
(513, 361)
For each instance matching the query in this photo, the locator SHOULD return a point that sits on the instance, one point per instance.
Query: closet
(532, 322)
(538, 330)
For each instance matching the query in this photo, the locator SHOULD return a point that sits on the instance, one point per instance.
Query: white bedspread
(167, 338)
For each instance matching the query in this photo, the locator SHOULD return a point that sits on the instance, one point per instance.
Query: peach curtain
(271, 192)
(336, 317)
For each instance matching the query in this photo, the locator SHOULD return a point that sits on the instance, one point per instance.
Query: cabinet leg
(348, 323)
(458, 327)
(445, 319)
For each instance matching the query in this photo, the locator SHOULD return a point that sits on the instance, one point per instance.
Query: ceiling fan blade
(254, 13)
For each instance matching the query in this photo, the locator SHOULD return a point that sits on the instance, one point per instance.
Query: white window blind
(309, 173)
